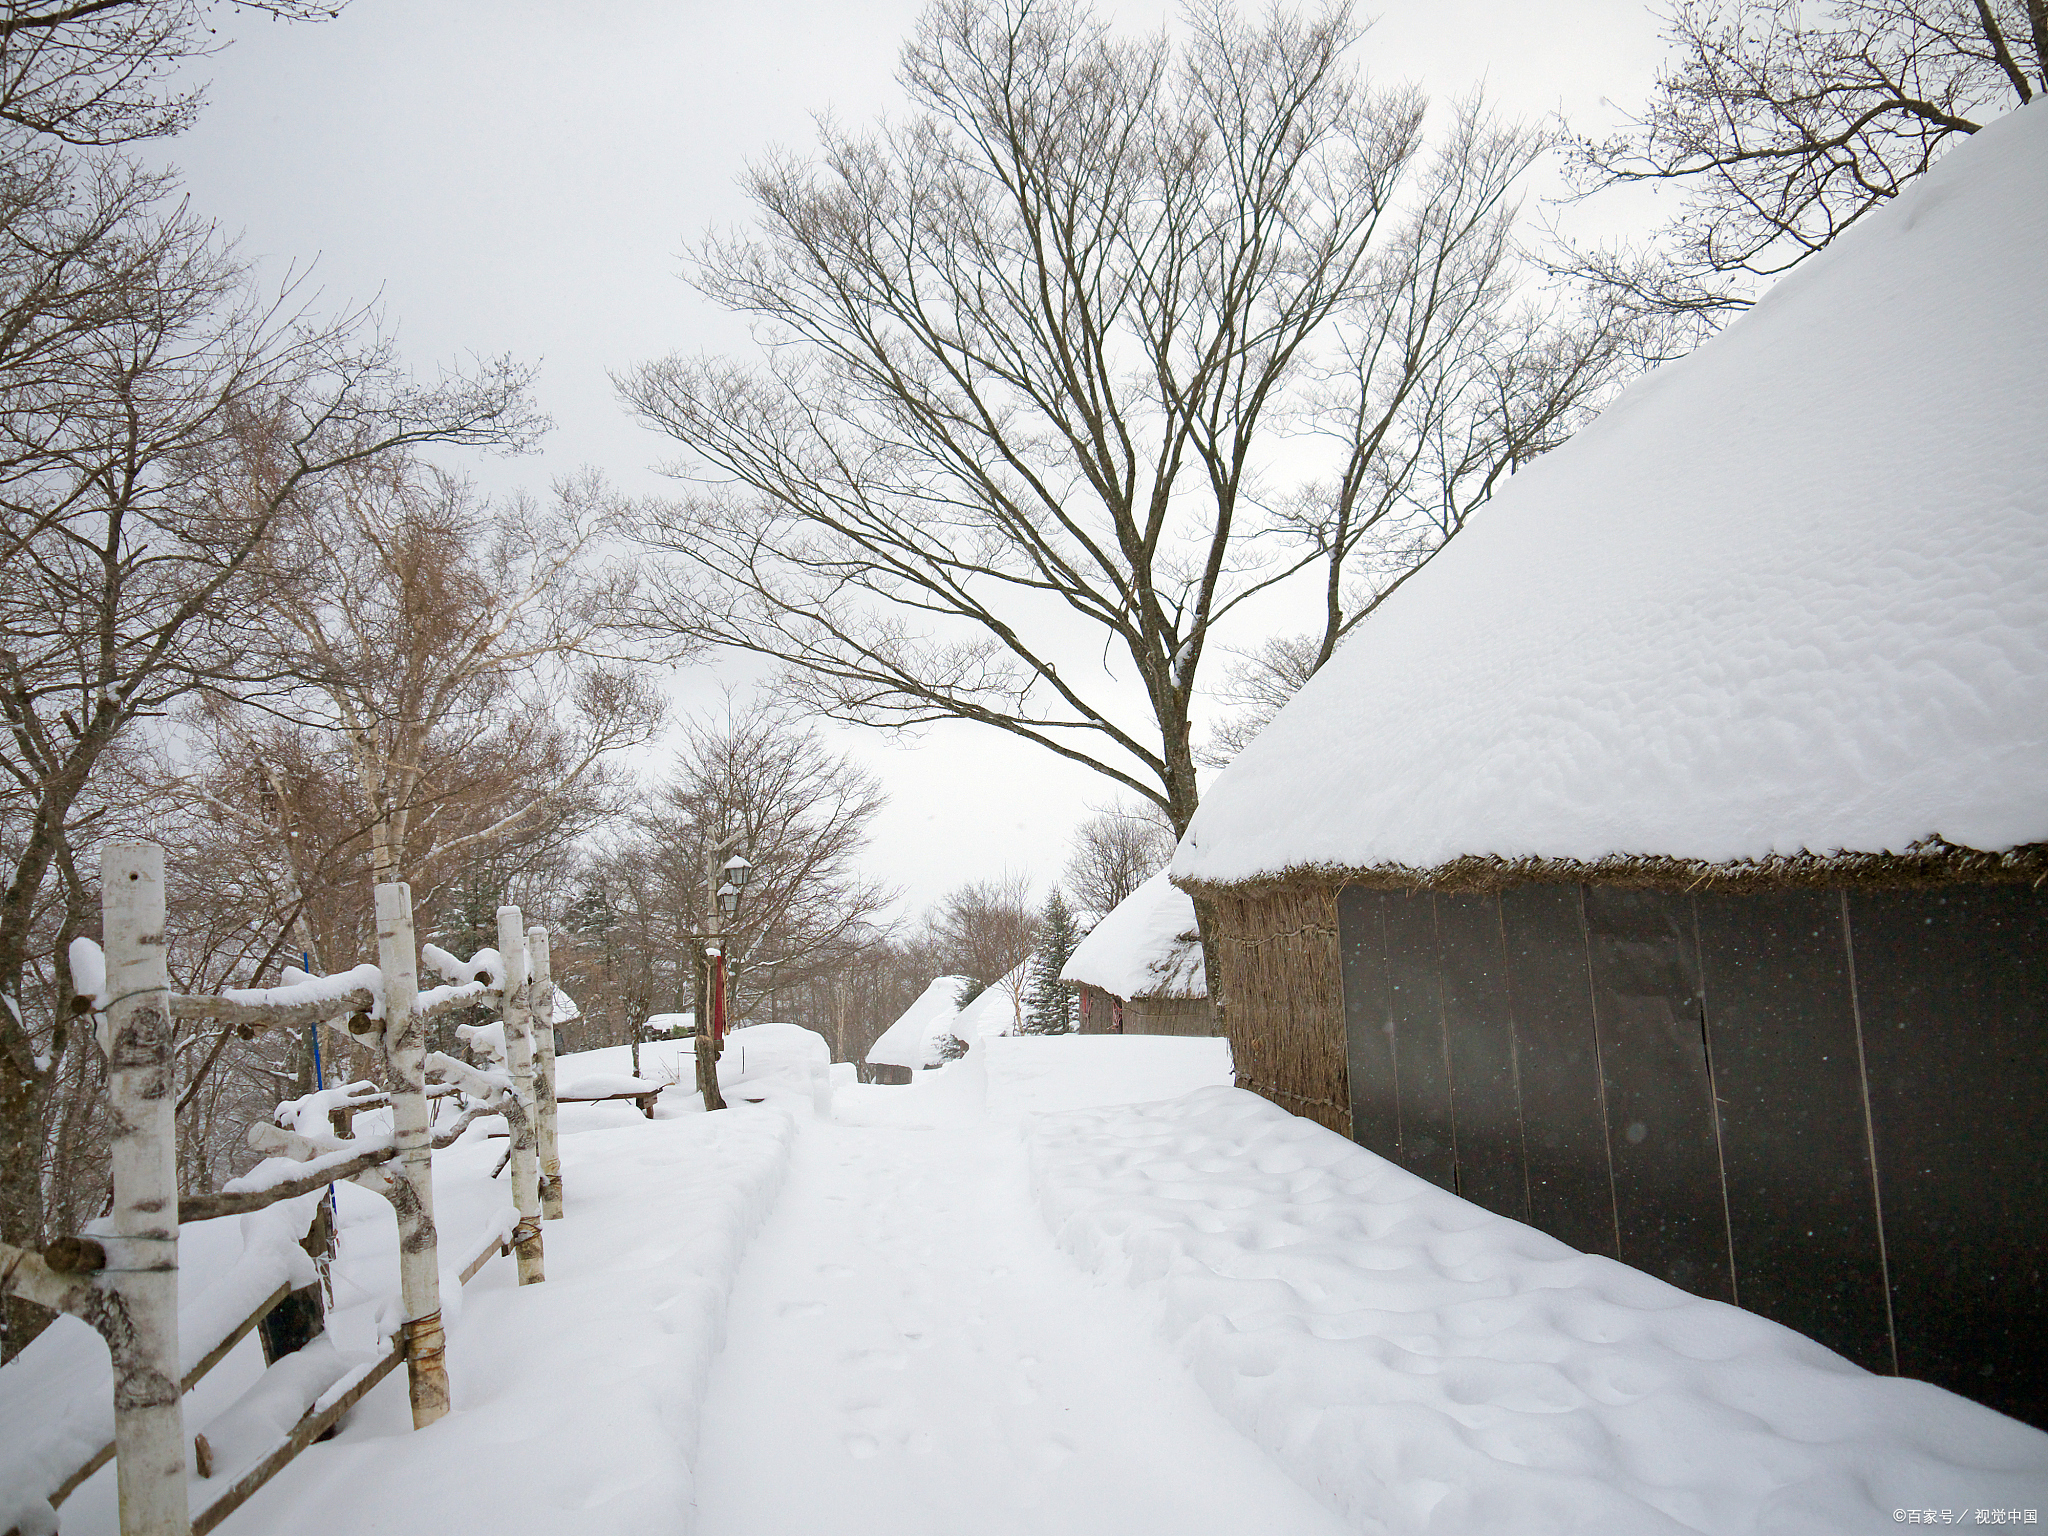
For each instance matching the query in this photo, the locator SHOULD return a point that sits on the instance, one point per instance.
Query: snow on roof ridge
(1788, 593)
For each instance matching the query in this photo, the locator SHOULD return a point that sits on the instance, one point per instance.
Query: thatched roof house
(1664, 865)
(912, 1042)
(1139, 970)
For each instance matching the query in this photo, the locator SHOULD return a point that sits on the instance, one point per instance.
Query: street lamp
(714, 962)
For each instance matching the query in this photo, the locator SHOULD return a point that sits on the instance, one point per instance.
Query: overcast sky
(524, 176)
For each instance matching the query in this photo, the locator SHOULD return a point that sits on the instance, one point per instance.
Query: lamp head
(728, 898)
(738, 871)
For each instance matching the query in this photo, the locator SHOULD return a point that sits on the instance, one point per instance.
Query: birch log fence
(123, 1280)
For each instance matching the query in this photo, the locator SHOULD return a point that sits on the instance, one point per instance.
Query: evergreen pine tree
(1048, 1005)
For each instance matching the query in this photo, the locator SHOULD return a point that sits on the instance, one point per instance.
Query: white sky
(523, 176)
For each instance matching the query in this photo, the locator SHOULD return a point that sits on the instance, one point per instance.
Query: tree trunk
(142, 1250)
(24, 1085)
(707, 1047)
(412, 1194)
(544, 1073)
(526, 1241)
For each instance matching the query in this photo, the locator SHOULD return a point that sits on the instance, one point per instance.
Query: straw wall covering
(1283, 1005)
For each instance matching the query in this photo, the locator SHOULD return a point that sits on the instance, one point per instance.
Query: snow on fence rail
(124, 1280)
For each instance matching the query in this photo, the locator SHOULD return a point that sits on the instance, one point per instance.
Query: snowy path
(908, 1353)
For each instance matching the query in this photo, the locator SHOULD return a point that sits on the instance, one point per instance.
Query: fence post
(412, 1196)
(544, 1073)
(142, 1248)
(525, 1161)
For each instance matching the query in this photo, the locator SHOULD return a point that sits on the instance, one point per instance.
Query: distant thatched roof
(1145, 946)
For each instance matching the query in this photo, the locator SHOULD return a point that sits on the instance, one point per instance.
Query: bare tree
(1259, 683)
(147, 483)
(458, 654)
(753, 777)
(984, 929)
(103, 72)
(1033, 351)
(1785, 123)
(157, 415)
(1114, 852)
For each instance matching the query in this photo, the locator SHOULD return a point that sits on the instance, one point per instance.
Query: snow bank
(912, 1041)
(1427, 1366)
(1146, 946)
(1038, 1074)
(1790, 592)
(57, 1395)
(577, 1403)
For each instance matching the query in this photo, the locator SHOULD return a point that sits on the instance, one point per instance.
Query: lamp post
(712, 967)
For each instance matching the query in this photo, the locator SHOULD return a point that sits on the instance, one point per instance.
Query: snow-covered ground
(1427, 1366)
(859, 1320)
(576, 1402)
(908, 1354)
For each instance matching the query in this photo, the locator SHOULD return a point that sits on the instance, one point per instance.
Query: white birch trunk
(544, 1072)
(525, 1160)
(141, 1313)
(412, 1192)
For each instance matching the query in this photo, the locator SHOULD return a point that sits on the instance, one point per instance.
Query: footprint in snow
(801, 1308)
(861, 1447)
(837, 1271)
(885, 1359)
(1053, 1453)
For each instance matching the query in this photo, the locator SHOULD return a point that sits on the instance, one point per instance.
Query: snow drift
(1427, 1366)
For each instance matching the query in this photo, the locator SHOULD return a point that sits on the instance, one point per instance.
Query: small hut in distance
(1666, 865)
(912, 1042)
(1139, 970)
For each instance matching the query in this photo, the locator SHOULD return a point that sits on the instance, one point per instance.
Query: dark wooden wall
(1096, 1010)
(1829, 1107)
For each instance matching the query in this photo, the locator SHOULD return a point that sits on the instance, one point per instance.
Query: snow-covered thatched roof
(997, 1011)
(913, 1039)
(1787, 595)
(1146, 946)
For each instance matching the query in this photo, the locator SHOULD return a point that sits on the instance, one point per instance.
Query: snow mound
(913, 1040)
(1044, 1074)
(1146, 946)
(596, 1085)
(57, 1395)
(763, 1061)
(1787, 593)
(1427, 1366)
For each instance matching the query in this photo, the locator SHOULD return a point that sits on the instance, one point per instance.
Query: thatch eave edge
(1932, 861)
